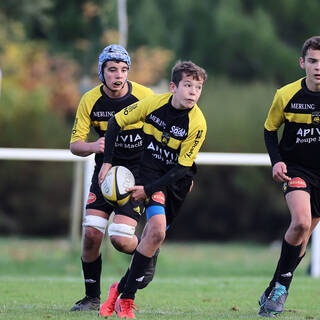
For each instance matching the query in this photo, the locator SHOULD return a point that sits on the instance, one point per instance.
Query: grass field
(41, 279)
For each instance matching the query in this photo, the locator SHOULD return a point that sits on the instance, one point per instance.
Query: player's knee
(156, 236)
(97, 224)
(94, 231)
(301, 228)
(92, 238)
(122, 244)
(121, 235)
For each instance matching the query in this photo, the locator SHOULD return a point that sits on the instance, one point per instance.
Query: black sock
(273, 281)
(288, 262)
(92, 275)
(275, 277)
(135, 275)
(298, 262)
(124, 279)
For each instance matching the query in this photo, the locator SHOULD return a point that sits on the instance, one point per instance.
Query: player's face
(188, 92)
(311, 64)
(115, 76)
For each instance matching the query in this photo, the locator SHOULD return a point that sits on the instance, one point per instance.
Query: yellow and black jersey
(299, 109)
(94, 111)
(171, 136)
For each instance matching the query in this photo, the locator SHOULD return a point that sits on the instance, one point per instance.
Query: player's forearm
(110, 139)
(272, 145)
(170, 177)
(81, 148)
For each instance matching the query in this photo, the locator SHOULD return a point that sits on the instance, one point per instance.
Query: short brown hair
(311, 43)
(190, 69)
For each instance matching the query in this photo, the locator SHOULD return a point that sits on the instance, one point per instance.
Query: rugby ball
(115, 183)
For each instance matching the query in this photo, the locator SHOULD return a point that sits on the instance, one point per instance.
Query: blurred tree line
(241, 39)
(48, 58)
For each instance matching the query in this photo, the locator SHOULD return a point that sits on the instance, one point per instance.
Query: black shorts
(171, 197)
(307, 180)
(96, 200)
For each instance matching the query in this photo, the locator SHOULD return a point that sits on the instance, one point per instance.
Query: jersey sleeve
(272, 145)
(177, 172)
(275, 116)
(191, 146)
(81, 127)
(134, 113)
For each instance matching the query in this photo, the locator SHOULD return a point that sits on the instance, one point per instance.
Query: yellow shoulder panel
(82, 123)
(283, 95)
(139, 110)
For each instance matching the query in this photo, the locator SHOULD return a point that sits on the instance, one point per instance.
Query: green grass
(41, 279)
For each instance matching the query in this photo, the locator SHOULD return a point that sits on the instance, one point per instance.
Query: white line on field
(202, 280)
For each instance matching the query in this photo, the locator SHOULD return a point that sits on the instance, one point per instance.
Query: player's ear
(301, 61)
(173, 87)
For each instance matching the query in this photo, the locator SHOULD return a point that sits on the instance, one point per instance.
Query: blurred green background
(48, 58)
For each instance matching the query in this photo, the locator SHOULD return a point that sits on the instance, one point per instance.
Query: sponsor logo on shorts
(137, 210)
(158, 197)
(297, 183)
(91, 198)
(285, 187)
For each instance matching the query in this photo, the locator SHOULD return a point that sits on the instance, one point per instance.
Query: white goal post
(84, 167)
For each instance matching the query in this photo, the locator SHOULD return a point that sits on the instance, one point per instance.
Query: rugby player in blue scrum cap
(95, 109)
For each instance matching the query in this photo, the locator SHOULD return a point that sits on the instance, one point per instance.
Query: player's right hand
(103, 172)
(98, 146)
(138, 193)
(279, 172)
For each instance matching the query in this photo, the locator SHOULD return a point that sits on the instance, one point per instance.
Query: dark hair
(311, 43)
(190, 69)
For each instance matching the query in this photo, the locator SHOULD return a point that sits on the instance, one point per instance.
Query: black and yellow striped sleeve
(82, 123)
(135, 112)
(197, 133)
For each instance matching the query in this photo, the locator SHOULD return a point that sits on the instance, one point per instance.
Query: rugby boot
(276, 299)
(262, 312)
(87, 304)
(107, 308)
(124, 308)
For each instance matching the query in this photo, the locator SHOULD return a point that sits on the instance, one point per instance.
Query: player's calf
(150, 270)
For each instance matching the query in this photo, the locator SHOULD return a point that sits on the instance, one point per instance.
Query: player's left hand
(138, 193)
(103, 172)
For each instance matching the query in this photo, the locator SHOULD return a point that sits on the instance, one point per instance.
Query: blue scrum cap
(114, 52)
